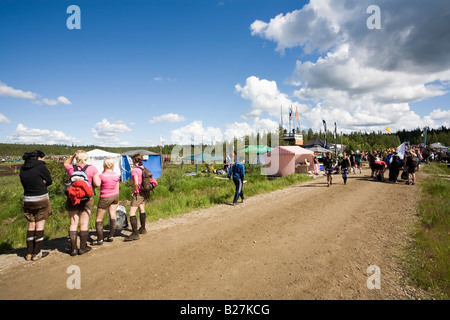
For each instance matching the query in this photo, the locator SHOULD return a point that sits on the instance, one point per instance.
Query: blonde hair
(108, 164)
(81, 157)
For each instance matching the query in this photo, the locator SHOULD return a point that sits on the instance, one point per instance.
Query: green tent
(257, 149)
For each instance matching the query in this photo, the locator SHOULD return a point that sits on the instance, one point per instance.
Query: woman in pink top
(109, 199)
(138, 200)
(79, 213)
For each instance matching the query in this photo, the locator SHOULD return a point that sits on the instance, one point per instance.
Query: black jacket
(32, 175)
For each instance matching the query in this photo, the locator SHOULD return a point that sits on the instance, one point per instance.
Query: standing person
(109, 200)
(237, 172)
(358, 159)
(345, 165)
(138, 199)
(394, 167)
(328, 166)
(316, 165)
(35, 179)
(352, 161)
(410, 164)
(79, 213)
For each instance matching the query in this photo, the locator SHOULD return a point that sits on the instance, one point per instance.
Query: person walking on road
(237, 173)
(328, 166)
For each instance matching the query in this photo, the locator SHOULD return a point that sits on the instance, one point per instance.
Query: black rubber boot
(142, 229)
(135, 234)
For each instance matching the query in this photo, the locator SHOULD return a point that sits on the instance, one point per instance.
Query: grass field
(176, 193)
(430, 258)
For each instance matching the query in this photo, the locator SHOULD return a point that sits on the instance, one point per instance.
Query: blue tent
(152, 161)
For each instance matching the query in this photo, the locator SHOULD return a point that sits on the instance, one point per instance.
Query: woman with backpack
(138, 199)
(35, 179)
(109, 200)
(79, 212)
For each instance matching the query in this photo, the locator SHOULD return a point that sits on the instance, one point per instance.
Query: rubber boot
(142, 229)
(73, 241)
(83, 242)
(112, 230)
(99, 229)
(135, 234)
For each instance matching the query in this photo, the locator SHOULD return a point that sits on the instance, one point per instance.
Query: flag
(335, 133)
(401, 150)
(232, 153)
(325, 128)
(387, 129)
(290, 113)
(296, 113)
(161, 140)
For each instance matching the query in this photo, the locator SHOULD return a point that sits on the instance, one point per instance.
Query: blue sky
(139, 71)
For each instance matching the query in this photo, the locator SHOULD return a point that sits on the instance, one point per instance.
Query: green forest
(353, 141)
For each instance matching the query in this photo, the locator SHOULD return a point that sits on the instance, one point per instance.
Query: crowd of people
(379, 162)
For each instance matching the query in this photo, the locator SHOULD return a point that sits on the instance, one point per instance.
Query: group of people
(35, 178)
(379, 163)
(343, 164)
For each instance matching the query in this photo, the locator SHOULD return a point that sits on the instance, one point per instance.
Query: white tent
(97, 156)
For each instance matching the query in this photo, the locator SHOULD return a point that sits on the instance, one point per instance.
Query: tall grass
(430, 263)
(176, 193)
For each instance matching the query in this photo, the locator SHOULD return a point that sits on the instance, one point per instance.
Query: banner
(401, 150)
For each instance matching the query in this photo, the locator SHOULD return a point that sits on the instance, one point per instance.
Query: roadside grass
(176, 193)
(430, 262)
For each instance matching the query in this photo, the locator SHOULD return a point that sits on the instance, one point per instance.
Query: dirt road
(308, 241)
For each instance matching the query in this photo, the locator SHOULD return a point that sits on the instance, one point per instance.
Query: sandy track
(304, 242)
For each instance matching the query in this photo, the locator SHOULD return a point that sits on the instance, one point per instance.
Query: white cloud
(23, 134)
(107, 133)
(160, 78)
(53, 102)
(266, 97)
(168, 117)
(363, 79)
(195, 133)
(4, 119)
(7, 91)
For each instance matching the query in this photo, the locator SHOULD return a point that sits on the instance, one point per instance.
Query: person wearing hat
(35, 178)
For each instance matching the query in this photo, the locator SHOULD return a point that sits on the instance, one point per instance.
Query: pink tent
(282, 160)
